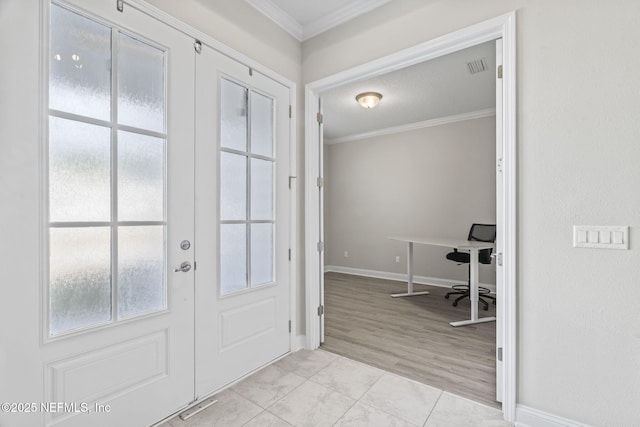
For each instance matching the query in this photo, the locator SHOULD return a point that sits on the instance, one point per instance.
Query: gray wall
(434, 181)
(578, 156)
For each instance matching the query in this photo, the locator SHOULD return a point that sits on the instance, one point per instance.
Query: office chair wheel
(446, 296)
(455, 303)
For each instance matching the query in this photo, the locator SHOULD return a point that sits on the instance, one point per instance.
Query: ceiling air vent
(477, 66)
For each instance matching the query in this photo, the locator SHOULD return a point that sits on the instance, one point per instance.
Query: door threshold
(197, 408)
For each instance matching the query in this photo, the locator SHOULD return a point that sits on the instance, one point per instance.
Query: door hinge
(251, 71)
(290, 113)
(290, 178)
(499, 259)
(320, 118)
(500, 165)
(120, 5)
(320, 310)
(500, 354)
(499, 71)
(289, 254)
(320, 182)
(320, 246)
(289, 325)
(195, 265)
(197, 46)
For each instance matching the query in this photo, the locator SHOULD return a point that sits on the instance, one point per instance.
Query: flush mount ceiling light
(368, 99)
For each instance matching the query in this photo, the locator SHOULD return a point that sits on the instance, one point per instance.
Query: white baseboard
(400, 277)
(530, 417)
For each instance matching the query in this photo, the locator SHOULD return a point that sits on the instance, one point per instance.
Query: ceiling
(436, 91)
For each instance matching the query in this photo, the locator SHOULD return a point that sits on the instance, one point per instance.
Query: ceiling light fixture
(368, 99)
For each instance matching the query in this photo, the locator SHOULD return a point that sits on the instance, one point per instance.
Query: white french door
(242, 220)
(124, 329)
(116, 337)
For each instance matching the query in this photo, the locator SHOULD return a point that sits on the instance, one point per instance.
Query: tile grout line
(293, 389)
(433, 408)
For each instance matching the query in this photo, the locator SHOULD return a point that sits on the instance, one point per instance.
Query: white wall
(434, 181)
(578, 156)
(241, 27)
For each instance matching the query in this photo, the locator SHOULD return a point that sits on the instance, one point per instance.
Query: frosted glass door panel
(233, 257)
(141, 270)
(233, 115)
(80, 65)
(247, 187)
(140, 84)
(141, 162)
(107, 185)
(262, 122)
(80, 278)
(261, 254)
(261, 189)
(233, 186)
(79, 171)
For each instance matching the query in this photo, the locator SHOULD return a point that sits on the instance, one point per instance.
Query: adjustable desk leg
(473, 293)
(473, 278)
(410, 292)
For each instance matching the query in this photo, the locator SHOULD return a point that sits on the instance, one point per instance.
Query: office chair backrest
(483, 233)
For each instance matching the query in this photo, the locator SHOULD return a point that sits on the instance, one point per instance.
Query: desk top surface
(444, 241)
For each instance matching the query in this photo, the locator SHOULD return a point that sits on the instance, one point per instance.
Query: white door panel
(242, 221)
(116, 336)
(500, 234)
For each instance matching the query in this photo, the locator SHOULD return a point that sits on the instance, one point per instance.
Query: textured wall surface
(435, 181)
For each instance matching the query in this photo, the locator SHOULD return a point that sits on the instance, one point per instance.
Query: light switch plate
(601, 236)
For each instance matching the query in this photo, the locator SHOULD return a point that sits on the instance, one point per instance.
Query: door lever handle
(184, 267)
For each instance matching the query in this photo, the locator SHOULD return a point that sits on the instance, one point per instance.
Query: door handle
(184, 267)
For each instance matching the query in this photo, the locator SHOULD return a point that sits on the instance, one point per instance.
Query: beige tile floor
(318, 388)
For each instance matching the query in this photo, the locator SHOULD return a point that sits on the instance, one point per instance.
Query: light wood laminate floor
(411, 336)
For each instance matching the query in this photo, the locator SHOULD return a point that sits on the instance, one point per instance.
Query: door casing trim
(501, 27)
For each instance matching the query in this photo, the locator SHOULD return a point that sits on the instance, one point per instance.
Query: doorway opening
(503, 29)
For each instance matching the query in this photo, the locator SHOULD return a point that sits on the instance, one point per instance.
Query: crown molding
(340, 16)
(320, 25)
(279, 16)
(413, 126)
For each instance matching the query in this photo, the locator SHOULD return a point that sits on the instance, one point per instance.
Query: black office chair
(480, 233)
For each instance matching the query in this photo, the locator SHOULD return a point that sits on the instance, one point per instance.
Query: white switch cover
(582, 236)
(601, 236)
(618, 237)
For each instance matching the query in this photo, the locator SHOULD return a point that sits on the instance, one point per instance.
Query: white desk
(473, 247)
